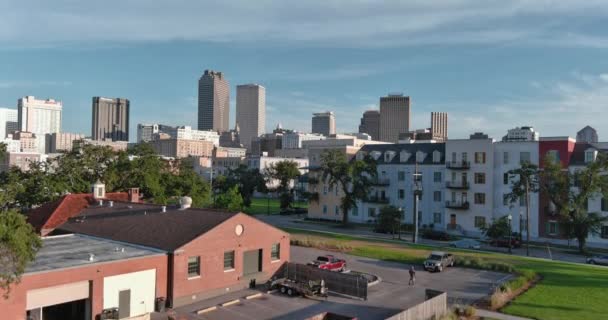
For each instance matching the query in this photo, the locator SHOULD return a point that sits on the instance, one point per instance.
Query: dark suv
(504, 242)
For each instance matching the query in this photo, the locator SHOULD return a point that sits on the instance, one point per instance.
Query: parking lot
(391, 295)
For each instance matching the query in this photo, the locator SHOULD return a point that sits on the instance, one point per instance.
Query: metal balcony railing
(459, 165)
(460, 205)
(457, 184)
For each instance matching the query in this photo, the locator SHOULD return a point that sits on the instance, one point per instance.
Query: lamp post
(399, 222)
(510, 218)
(417, 191)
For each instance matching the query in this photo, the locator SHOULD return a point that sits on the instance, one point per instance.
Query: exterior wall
(21, 160)
(324, 123)
(250, 112)
(180, 148)
(263, 163)
(516, 210)
(142, 285)
(394, 117)
(456, 151)
(14, 307)
(210, 247)
(213, 101)
(115, 145)
(39, 116)
(63, 141)
(110, 119)
(9, 121)
(293, 140)
(370, 124)
(595, 205)
(439, 125)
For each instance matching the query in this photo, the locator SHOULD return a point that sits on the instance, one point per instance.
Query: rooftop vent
(185, 203)
(163, 208)
(100, 203)
(91, 257)
(110, 204)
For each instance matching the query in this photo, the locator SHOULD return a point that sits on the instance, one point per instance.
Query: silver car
(466, 244)
(601, 260)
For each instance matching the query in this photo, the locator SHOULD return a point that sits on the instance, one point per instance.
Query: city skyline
(442, 63)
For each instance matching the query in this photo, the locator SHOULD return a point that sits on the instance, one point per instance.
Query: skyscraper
(213, 101)
(39, 116)
(110, 119)
(394, 117)
(587, 134)
(439, 126)
(9, 121)
(250, 112)
(324, 123)
(370, 124)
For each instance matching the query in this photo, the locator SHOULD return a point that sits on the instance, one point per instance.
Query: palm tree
(354, 178)
(524, 181)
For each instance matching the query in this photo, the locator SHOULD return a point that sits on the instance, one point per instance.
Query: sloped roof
(53, 214)
(578, 154)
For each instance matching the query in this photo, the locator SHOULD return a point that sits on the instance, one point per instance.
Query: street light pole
(399, 224)
(417, 190)
(510, 218)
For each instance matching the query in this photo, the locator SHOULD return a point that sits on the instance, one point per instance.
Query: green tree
(524, 181)
(285, 172)
(498, 228)
(247, 180)
(18, 246)
(389, 220)
(230, 200)
(188, 183)
(354, 178)
(570, 193)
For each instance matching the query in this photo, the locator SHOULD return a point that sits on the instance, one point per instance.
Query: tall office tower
(110, 119)
(39, 116)
(394, 117)
(324, 123)
(439, 126)
(9, 122)
(213, 101)
(370, 124)
(250, 112)
(587, 134)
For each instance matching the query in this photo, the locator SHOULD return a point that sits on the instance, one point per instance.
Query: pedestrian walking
(412, 276)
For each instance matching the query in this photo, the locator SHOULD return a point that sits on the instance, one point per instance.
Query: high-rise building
(370, 124)
(213, 101)
(39, 116)
(110, 119)
(250, 112)
(394, 117)
(439, 125)
(587, 134)
(9, 122)
(521, 134)
(324, 123)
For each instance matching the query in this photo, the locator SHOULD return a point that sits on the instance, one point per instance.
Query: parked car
(466, 244)
(437, 261)
(436, 235)
(601, 260)
(329, 262)
(504, 242)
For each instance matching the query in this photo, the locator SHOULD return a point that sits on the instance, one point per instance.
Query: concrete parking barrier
(229, 303)
(253, 296)
(206, 310)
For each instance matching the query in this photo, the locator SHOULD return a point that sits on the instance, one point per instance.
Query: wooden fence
(434, 307)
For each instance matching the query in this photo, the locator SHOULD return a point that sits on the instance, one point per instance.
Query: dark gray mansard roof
(412, 148)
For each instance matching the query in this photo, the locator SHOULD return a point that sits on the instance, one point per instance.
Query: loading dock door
(252, 262)
(124, 304)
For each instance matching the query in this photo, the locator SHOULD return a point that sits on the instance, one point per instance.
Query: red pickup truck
(329, 262)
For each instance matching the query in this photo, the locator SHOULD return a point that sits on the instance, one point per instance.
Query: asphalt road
(390, 296)
(299, 223)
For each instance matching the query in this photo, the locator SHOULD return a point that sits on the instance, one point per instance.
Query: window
(505, 178)
(604, 204)
(480, 157)
(524, 157)
(371, 212)
(480, 198)
(553, 155)
(401, 175)
(194, 267)
(465, 157)
(590, 156)
(324, 190)
(401, 194)
(522, 201)
(324, 209)
(437, 217)
(437, 176)
(436, 156)
(604, 233)
(552, 228)
(480, 222)
(505, 200)
(437, 196)
(505, 158)
(336, 210)
(453, 156)
(480, 178)
(354, 211)
(275, 251)
(229, 260)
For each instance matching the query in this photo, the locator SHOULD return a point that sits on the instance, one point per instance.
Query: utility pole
(417, 191)
(527, 217)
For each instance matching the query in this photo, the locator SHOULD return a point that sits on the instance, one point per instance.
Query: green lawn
(264, 206)
(567, 291)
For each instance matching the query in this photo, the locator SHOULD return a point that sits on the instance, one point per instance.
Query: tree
(230, 200)
(354, 178)
(247, 180)
(498, 228)
(18, 246)
(570, 193)
(284, 172)
(389, 220)
(524, 181)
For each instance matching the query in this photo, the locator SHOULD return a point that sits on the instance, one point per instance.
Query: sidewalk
(496, 315)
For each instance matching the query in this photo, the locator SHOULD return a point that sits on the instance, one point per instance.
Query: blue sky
(491, 65)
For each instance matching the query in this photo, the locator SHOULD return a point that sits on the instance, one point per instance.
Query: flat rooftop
(74, 250)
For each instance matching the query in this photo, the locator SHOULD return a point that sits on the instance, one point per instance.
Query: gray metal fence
(341, 283)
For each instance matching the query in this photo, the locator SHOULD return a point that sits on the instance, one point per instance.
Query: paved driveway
(385, 299)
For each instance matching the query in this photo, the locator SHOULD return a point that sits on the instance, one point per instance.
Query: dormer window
(388, 156)
(436, 156)
(99, 190)
(590, 155)
(376, 154)
(360, 155)
(420, 156)
(404, 156)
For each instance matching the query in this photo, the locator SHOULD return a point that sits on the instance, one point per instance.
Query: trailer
(310, 288)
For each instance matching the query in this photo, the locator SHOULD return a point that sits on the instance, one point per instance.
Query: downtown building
(370, 124)
(324, 123)
(394, 117)
(213, 102)
(9, 121)
(250, 112)
(110, 121)
(39, 117)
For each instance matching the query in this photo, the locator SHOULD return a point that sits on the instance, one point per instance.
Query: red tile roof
(53, 214)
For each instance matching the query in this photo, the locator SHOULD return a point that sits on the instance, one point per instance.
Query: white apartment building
(293, 140)
(264, 162)
(9, 121)
(509, 156)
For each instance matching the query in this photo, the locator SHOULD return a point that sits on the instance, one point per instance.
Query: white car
(466, 244)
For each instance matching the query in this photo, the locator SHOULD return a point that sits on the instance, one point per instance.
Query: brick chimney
(134, 195)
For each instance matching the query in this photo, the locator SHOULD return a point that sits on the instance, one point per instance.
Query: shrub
(478, 263)
(470, 311)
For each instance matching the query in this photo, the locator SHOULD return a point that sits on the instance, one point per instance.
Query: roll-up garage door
(49, 296)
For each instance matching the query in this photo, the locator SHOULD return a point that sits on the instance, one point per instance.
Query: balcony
(458, 205)
(383, 200)
(381, 182)
(458, 165)
(457, 184)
